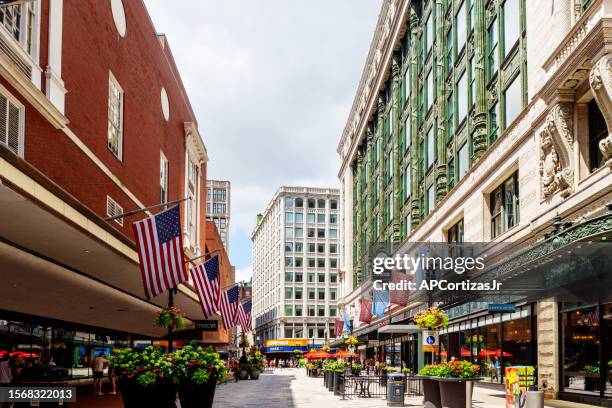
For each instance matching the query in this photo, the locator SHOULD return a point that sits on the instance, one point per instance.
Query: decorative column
(441, 170)
(548, 346)
(479, 137)
(601, 83)
(415, 213)
(396, 173)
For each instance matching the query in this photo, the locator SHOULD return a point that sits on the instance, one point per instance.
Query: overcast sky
(271, 83)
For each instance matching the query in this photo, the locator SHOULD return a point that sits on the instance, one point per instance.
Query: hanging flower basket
(325, 348)
(351, 341)
(170, 318)
(432, 318)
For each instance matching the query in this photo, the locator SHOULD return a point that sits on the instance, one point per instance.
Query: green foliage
(170, 317)
(145, 366)
(432, 318)
(255, 361)
(195, 364)
(336, 366)
(454, 369)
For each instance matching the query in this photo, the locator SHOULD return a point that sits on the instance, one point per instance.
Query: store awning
(399, 329)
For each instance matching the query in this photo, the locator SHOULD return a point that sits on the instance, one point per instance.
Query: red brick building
(94, 121)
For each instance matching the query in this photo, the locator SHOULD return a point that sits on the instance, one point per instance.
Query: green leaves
(454, 369)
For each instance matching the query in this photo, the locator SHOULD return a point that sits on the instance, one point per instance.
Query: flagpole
(139, 210)
(170, 329)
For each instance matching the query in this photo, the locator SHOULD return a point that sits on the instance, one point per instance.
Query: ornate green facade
(454, 85)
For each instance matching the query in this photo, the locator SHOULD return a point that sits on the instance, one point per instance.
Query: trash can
(395, 390)
(535, 399)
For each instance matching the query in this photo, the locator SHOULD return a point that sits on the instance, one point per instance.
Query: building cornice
(194, 142)
(391, 26)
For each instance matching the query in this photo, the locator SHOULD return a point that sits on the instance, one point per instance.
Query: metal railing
(350, 386)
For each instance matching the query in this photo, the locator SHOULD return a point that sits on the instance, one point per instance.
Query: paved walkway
(292, 388)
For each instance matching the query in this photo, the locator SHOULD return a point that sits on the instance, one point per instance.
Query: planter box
(197, 396)
(159, 395)
(442, 392)
(431, 393)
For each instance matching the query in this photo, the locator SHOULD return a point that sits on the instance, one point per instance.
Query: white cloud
(271, 83)
(244, 274)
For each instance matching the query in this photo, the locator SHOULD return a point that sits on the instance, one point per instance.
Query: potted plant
(351, 341)
(356, 369)
(145, 377)
(432, 318)
(325, 348)
(196, 373)
(591, 377)
(449, 384)
(338, 382)
(170, 317)
(256, 364)
(243, 370)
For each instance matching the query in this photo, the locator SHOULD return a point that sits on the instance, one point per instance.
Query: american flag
(338, 327)
(244, 316)
(365, 314)
(228, 306)
(160, 250)
(206, 281)
(399, 297)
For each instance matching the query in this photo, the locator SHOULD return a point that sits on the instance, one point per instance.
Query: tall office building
(487, 121)
(218, 207)
(295, 265)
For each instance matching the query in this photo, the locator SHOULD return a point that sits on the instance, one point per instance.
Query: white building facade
(296, 253)
(218, 200)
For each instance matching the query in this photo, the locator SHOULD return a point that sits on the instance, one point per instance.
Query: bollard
(535, 399)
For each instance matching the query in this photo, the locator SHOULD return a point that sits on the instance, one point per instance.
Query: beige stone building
(487, 121)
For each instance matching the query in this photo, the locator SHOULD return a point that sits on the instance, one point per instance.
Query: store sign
(207, 325)
(284, 349)
(501, 307)
(286, 343)
(431, 341)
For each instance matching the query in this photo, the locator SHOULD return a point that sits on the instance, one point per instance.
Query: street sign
(430, 340)
(206, 325)
(502, 307)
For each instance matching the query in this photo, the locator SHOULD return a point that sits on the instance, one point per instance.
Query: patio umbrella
(320, 354)
(465, 352)
(493, 353)
(344, 354)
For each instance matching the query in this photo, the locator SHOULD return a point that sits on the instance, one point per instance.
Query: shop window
(598, 130)
(504, 206)
(581, 348)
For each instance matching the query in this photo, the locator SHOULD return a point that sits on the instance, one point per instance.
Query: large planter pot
(431, 393)
(197, 395)
(254, 375)
(330, 381)
(338, 384)
(159, 395)
(243, 375)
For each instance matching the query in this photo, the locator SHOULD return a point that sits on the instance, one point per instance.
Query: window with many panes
(455, 233)
(504, 206)
(163, 178)
(115, 117)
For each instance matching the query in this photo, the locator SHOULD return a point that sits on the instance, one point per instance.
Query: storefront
(47, 341)
(492, 340)
(586, 356)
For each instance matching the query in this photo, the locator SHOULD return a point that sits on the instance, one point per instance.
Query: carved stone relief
(601, 84)
(556, 145)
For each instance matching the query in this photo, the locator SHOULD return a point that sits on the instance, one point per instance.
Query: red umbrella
(344, 354)
(465, 352)
(23, 354)
(320, 354)
(493, 353)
